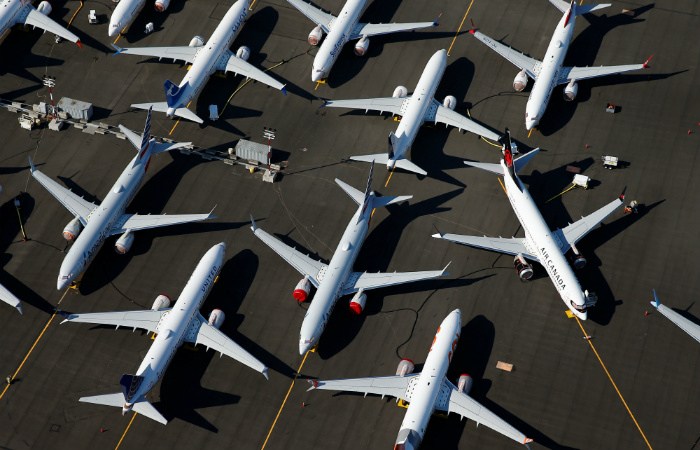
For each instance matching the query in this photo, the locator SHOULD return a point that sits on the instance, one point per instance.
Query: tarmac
(633, 384)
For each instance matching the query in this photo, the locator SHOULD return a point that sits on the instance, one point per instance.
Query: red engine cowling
(570, 91)
(362, 46)
(357, 304)
(405, 367)
(243, 53)
(302, 290)
(400, 92)
(161, 5)
(124, 243)
(162, 302)
(216, 318)
(45, 8)
(520, 81)
(465, 383)
(450, 102)
(72, 230)
(316, 35)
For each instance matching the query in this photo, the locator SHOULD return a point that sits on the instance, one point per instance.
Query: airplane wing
(146, 319)
(371, 29)
(9, 298)
(394, 386)
(229, 62)
(302, 263)
(574, 232)
(316, 15)
(523, 62)
(78, 206)
(211, 337)
(185, 53)
(136, 222)
(367, 281)
(37, 19)
(382, 104)
(439, 114)
(683, 323)
(466, 406)
(581, 73)
(509, 246)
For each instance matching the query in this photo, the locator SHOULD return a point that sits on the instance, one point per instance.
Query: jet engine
(124, 243)
(161, 5)
(450, 102)
(243, 53)
(45, 8)
(520, 81)
(570, 91)
(464, 383)
(316, 35)
(301, 291)
(72, 230)
(578, 260)
(524, 269)
(357, 304)
(400, 92)
(216, 318)
(405, 367)
(162, 302)
(197, 41)
(362, 46)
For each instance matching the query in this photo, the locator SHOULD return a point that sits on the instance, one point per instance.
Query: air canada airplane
(21, 11)
(414, 110)
(684, 324)
(173, 326)
(109, 218)
(336, 279)
(540, 243)
(551, 72)
(428, 391)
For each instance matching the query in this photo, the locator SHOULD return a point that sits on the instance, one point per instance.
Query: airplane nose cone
(63, 282)
(530, 124)
(113, 31)
(316, 74)
(303, 348)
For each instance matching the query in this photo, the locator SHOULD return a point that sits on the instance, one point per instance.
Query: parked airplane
(684, 324)
(550, 72)
(428, 391)
(415, 110)
(125, 12)
(108, 218)
(336, 279)
(173, 326)
(205, 60)
(13, 12)
(342, 29)
(539, 244)
(7, 296)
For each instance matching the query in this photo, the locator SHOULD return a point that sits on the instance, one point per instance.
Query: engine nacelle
(520, 81)
(197, 41)
(450, 102)
(570, 91)
(45, 8)
(400, 92)
(357, 304)
(362, 46)
(464, 384)
(405, 367)
(316, 35)
(578, 260)
(72, 230)
(524, 269)
(243, 53)
(216, 318)
(161, 5)
(302, 290)
(124, 243)
(162, 302)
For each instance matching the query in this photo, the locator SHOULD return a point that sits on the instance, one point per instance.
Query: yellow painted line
(285, 401)
(241, 87)
(613, 383)
(318, 83)
(127, 429)
(460, 27)
(528, 135)
(388, 179)
(75, 14)
(120, 34)
(178, 120)
(504, 188)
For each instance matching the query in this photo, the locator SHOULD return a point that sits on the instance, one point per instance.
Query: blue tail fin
(130, 385)
(173, 92)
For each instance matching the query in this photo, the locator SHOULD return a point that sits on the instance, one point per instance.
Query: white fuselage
(543, 243)
(206, 60)
(340, 32)
(431, 379)
(10, 10)
(175, 324)
(123, 15)
(421, 101)
(549, 73)
(331, 283)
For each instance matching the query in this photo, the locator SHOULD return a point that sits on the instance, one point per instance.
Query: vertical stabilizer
(173, 92)
(146, 134)
(368, 190)
(571, 12)
(508, 157)
(130, 386)
(393, 141)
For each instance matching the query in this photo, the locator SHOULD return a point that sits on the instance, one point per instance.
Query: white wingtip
(437, 235)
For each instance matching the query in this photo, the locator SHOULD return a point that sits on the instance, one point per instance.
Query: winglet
(284, 91)
(655, 303)
(313, 383)
(646, 63)
(264, 372)
(252, 222)
(212, 210)
(435, 22)
(444, 271)
(438, 235)
(31, 165)
(79, 44)
(117, 48)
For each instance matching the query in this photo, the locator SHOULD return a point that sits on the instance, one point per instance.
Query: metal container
(75, 109)
(252, 151)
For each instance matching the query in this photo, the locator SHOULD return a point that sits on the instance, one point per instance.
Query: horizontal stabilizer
(163, 107)
(380, 158)
(489, 167)
(354, 194)
(585, 9)
(409, 166)
(144, 407)
(141, 406)
(116, 399)
(378, 202)
(520, 162)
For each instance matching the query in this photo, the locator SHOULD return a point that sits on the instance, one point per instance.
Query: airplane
(13, 12)
(109, 218)
(684, 324)
(539, 244)
(125, 12)
(173, 326)
(415, 110)
(428, 391)
(7, 296)
(343, 28)
(336, 279)
(205, 60)
(550, 72)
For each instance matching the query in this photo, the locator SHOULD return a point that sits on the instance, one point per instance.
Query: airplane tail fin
(142, 143)
(141, 405)
(405, 164)
(173, 92)
(356, 195)
(393, 141)
(130, 385)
